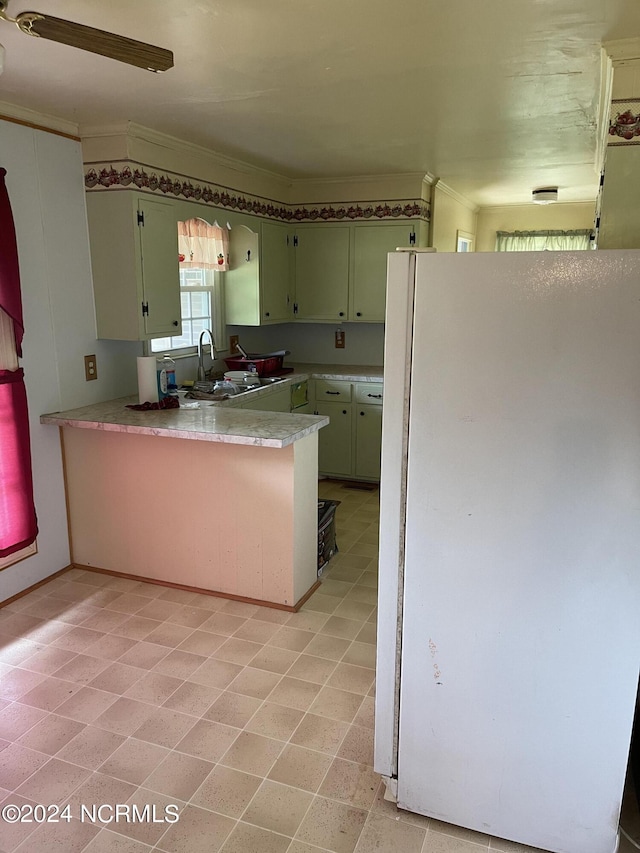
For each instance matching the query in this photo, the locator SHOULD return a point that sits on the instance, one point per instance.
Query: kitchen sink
(262, 381)
(205, 389)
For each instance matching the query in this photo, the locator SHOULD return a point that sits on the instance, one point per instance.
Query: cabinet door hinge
(145, 309)
(141, 217)
(295, 240)
(412, 238)
(295, 307)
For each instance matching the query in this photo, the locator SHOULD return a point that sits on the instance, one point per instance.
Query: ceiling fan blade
(95, 41)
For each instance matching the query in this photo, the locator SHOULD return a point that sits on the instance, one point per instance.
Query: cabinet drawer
(332, 390)
(369, 393)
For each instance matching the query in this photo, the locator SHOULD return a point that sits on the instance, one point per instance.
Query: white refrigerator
(509, 602)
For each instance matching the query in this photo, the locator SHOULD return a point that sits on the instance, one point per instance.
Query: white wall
(45, 184)
(450, 213)
(531, 217)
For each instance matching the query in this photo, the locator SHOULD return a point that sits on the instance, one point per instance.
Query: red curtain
(18, 525)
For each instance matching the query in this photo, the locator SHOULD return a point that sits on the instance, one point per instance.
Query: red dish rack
(269, 364)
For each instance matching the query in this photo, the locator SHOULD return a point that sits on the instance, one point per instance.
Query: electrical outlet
(339, 339)
(233, 340)
(90, 367)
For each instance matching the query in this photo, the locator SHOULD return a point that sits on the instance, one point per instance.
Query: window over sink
(201, 307)
(203, 257)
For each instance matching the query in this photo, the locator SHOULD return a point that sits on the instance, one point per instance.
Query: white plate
(243, 376)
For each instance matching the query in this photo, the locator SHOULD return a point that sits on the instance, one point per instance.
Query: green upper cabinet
(371, 244)
(275, 260)
(242, 280)
(321, 253)
(258, 283)
(134, 259)
(160, 273)
(341, 271)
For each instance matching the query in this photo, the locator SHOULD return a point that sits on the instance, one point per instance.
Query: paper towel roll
(147, 379)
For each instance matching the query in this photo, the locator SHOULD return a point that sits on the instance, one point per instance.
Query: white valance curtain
(539, 241)
(203, 246)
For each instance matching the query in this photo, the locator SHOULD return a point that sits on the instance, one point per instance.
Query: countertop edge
(226, 426)
(347, 372)
(264, 430)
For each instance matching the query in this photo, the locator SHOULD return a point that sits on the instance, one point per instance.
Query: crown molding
(39, 121)
(363, 179)
(164, 140)
(604, 108)
(145, 134)
(622, 50)
(531, 204)
(463, 200)
(98, 130)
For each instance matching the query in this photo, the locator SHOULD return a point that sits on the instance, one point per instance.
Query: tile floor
(256, 724)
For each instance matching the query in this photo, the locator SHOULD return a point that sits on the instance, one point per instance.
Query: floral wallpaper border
(101, 177)
(624, 122)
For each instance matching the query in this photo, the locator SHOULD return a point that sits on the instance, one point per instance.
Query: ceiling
(494, 97)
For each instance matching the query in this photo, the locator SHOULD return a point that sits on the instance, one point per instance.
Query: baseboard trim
(367, 485)
(35, 586)
(289, 608)
(307, 596)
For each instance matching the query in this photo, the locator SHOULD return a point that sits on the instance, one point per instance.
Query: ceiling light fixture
(545, 195)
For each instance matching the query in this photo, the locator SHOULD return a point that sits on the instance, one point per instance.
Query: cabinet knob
(341, 314)
(344, 411)
(358, 313)
(331, 392)
(266, 313)
(361, 414)
(175, 322)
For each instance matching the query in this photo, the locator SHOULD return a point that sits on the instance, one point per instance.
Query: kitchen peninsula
(213, 498)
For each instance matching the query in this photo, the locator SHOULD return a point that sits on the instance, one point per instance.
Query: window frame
(465, 241)
(217, 323)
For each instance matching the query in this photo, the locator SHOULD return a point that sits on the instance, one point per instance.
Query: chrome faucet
(201, 370)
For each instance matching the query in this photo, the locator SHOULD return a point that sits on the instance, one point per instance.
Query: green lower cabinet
(350, 446)
(334, 441)
(368, 427)
(276, 401)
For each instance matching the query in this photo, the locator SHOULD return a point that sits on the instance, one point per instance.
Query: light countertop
(220, 421)
(348, 372)
(206, 423)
